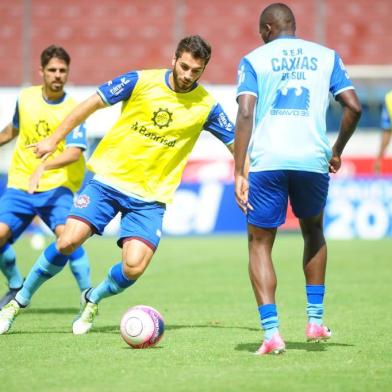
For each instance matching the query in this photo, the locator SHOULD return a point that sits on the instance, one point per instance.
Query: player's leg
(90, 214)
(51, 261)
(8, 265)
(16, 213)
(136, 257)
(54, 208)
(141, 226)
(314, 265)
(78, 263)
(268, 197)
(308, 196)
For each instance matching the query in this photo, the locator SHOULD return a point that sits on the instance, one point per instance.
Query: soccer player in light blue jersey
(283, 95)
(386, 127)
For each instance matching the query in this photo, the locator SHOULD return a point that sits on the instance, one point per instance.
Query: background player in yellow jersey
(137, 166)
(41, 188)
(386, 127)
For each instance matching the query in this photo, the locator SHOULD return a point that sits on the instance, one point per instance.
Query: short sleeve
(15, 118)
(119, 88)
(219, 124)
(247, 79)
(340, 81)
(77, 138)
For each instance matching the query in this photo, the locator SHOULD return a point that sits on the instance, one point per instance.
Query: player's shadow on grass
(105, 329)
(209, 325)
(116, 328)
(73, 311)
(305, 346)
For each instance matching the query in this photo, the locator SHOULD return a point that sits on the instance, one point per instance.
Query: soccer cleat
(85, 320)
(275, 345)
(8, 296)
(7, 316)
(83, 298)
(315, 332)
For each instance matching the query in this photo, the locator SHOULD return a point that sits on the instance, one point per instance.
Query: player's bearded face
(55, 75)
(186, 72)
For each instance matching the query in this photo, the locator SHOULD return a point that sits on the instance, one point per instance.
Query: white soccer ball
(142, 326)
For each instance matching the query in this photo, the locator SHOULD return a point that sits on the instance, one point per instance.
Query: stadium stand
(114, 36)
(11, 30)
(360, 30)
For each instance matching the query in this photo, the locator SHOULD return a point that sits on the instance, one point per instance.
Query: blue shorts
(98, 204)
(18, 208)
(269, 192)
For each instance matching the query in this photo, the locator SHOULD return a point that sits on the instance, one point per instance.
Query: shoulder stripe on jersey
(343, 89)
(103, 97)
(247, 93)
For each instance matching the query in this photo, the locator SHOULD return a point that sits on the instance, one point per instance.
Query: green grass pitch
(201, 286)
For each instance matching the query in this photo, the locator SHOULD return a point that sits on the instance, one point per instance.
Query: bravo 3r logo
(162, 118)
(291, 101)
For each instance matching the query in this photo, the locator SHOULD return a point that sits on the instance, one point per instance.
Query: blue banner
(356, 208)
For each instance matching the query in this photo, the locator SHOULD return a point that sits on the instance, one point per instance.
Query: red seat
(108, 38)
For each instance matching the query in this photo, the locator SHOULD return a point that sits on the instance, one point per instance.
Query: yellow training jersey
(388, 103)
(37, 120)
(146, 150)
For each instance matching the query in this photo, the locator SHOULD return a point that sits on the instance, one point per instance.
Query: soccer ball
(142, 326)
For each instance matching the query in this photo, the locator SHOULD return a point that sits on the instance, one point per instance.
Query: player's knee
(5, 235)
(132, 270)
(314, 228)
(66, 245)
(3, 241)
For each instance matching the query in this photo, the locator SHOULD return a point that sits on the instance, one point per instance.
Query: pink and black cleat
(316, 333)
(275, 345)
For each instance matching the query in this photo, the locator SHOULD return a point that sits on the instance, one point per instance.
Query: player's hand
(377, 166)
(241, 193)
(334, 164)
(35, 178)
(44, 148)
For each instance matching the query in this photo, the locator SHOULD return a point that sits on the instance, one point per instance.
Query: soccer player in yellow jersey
(386, 127)
(41, 188)
(137, 166)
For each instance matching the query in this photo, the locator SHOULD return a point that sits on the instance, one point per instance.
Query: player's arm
(247, 93)
(76, 143)
(385, 140)
(8, 133)
(342, 89)
(386, 128)
(230, 147)
(11, 130)
(78, 115)
(68, 156)
(351, 115)
(243, 132)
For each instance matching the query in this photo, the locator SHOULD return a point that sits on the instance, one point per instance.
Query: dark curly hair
(197, 46)
(54, 51)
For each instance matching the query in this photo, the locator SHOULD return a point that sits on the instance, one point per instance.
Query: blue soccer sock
(315, 306)
(48, 264)
(80, 267)
(269, 320)
(9, 268)
(115, 283)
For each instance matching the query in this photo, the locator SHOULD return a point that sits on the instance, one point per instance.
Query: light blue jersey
(291, 79)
